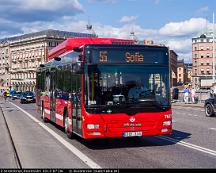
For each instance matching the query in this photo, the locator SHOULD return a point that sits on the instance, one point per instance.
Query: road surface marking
(189, 145)
(68, 145)
(212, 129)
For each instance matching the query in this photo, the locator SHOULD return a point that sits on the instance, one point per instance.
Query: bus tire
(209, 111)
(67, 124)
(43, 115)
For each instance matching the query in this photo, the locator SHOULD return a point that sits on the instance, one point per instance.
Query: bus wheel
(66, 126)
(43, 116)
(209, 110)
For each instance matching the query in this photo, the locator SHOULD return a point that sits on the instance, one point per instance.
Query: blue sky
(171, 22)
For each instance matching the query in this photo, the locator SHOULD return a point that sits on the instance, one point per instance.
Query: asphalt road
(192, 144)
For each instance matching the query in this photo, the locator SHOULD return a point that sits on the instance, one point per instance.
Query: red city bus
(106, 87)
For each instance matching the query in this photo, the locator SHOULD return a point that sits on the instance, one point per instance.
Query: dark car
(210, 106)
(16, 95)
(27, 97)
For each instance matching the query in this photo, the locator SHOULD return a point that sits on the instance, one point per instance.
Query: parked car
(27, 97)
(16, 95)
(210, 106)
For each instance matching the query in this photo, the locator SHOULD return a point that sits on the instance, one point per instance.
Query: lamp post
(213, 53)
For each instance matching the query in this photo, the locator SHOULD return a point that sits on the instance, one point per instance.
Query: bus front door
(77, 113)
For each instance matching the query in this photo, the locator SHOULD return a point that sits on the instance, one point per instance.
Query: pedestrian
(186, 95)
(8, 93)
(5, 95)
(193, 94)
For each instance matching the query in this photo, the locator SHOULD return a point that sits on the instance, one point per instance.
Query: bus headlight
(92, 126)
(167, 123)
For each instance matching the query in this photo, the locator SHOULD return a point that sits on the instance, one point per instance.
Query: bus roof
(71, 43)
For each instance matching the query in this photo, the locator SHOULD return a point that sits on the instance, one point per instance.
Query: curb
(188, 105)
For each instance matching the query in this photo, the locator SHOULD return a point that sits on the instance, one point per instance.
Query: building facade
(181, 72)
(4, 65)
(188, 67)
(173, 66)
(27, 52)
(202, 59)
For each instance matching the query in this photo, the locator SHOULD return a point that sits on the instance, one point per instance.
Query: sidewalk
(7, 159)
(199, 105)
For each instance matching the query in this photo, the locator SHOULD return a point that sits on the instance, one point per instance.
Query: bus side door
(52, 95)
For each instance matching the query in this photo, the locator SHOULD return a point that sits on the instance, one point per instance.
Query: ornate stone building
(4, 65)
(27, 52)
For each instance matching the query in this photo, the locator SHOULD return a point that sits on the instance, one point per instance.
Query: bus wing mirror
(77, 49)
(57, 59)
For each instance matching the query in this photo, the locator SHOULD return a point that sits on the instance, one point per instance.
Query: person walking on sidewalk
(5, 95)
(193, 95)
(186, 95)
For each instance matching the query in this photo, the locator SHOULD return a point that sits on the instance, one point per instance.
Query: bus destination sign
(129, 57)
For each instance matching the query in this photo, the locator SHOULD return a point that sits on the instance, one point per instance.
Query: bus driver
(134, 92)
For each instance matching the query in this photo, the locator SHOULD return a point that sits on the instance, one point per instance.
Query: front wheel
(209, 111)
(67, 125)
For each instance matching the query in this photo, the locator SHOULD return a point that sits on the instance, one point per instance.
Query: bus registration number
(128, 134)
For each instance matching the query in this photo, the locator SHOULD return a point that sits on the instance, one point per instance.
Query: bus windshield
(127, 86)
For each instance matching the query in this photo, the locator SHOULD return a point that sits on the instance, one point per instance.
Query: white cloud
(180, 45)
(128, 19)
(184, 28)
(50, 5)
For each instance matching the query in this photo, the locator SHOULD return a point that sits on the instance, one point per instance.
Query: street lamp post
(213, 53)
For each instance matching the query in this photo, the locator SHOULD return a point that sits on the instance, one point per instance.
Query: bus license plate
(128, 134)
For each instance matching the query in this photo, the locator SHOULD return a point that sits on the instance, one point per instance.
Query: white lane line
(68, 145)
(189, 145)
(212, 129)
